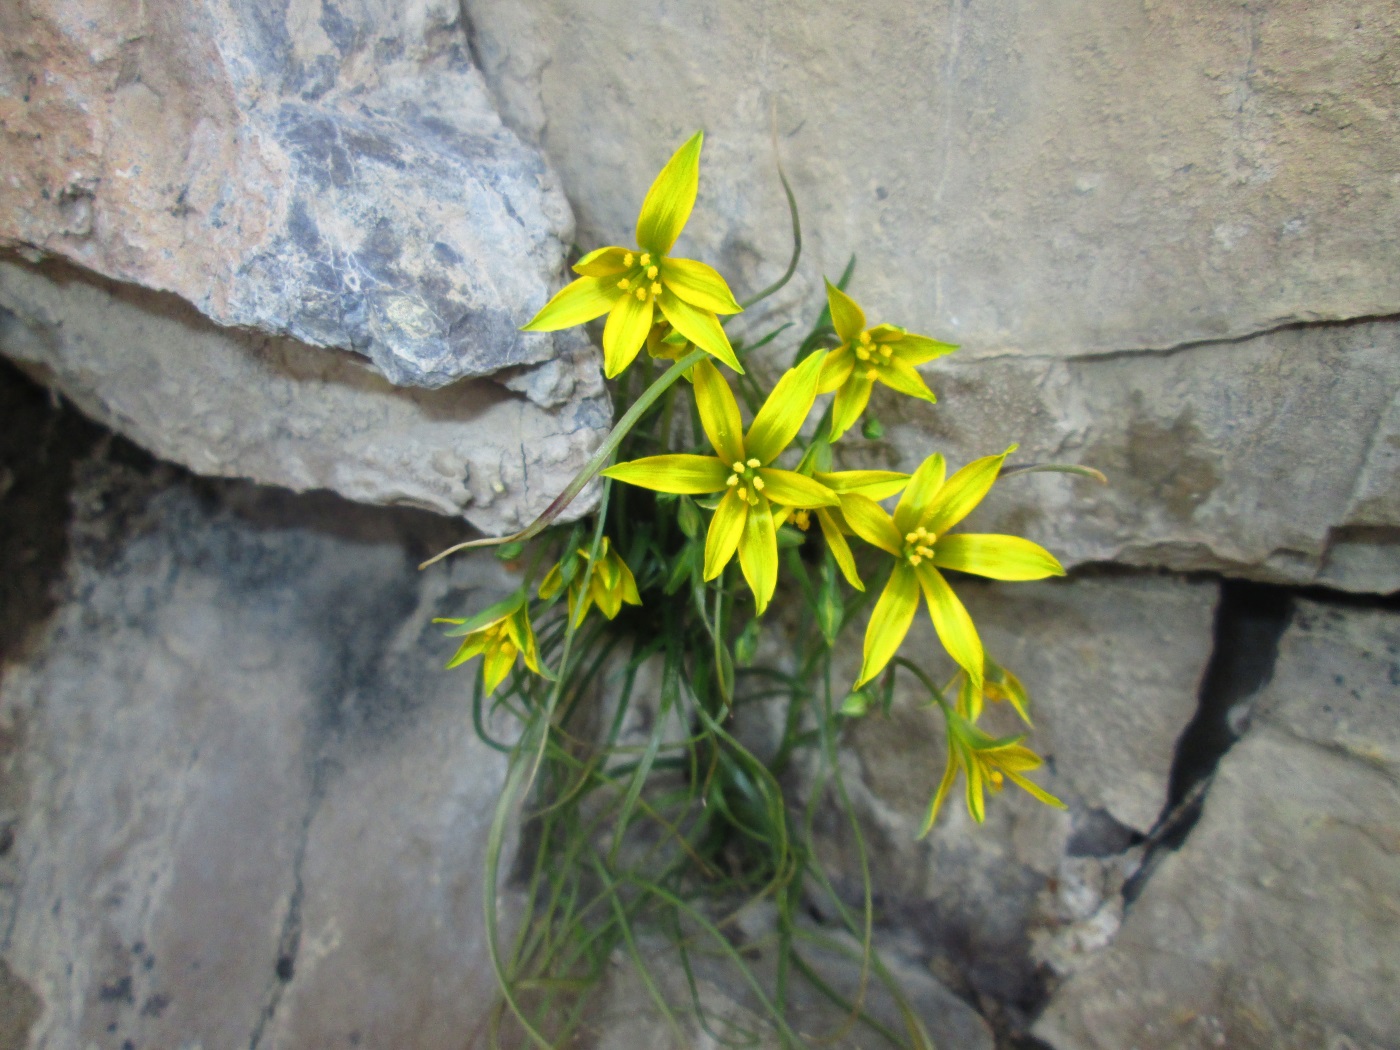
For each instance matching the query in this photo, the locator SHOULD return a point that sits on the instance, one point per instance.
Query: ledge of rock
(234, 403)
(332, 173)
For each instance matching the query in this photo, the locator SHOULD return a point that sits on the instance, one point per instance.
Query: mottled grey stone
(253, 808)
(1277, 924)
(335, 173)
(235, 403)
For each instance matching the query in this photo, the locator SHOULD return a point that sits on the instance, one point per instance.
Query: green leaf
(790, 538)
(510, 551)
(830, 610)
(489, 615)
(688, 517)
(855, 705)
(746, 645)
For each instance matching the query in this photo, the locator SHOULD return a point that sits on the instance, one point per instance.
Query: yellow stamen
(627, 259)
(652, 271)
(913, 537)
(624, 284)
(755, 463)
(655, 288)
(871, 373)
(865, 338)
(803, 520)
(738, 467)
(758, 484)
(863, 353)
(995, 777)
(642, 294)
(646, 259)
(914, 559)
(743, 494)
(885, 351)
(924, 552)
(733, 480)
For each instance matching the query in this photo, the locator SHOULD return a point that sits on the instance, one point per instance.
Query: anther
(885, 351)
(914, 559)
(733, 480)
(865, 338)
(913, 537)
(758, 484)
(871, 373)
(627, 259)
(755, 463)
(624, 284)
(738, 467)
(645, 259)
(744, 494)
(655, 288)
(803, 520)
(863, 353)
(923, 552)
(652, 271)
(642, 294)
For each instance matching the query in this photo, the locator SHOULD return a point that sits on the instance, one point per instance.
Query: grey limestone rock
(1277, 923)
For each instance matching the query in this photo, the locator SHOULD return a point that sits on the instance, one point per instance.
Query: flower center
(746, 481)
(643, 277)
(872, 355)
(918, 545)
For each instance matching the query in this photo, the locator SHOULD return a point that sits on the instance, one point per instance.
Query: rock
(335, 173)
(1273, 458)
(1113, 666)
(246, 806)
(1277, 922)
(238, 404)
(1096, 178)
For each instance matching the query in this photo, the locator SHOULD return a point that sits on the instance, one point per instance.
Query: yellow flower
(998, 685)
(985, 762)
(744, 520)
(886, 353)
(611, 584)
(916, 537)
(872, 484)
(629, 285)
(498, 634)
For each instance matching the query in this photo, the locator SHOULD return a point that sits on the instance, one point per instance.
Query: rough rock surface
(1275, 457)
(235, 403)
(1114, 667)
(333, 172)
(242, 804)
(1277, 924)
(1104, 178)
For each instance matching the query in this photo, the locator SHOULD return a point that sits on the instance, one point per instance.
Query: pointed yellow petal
(701, 327)
(668, 202)
(608, 599)
(472, 645)
(873, 484)
(682, 474)
(629, 585)
(836, 369)
(790, 489)
(890, 621)
(869, 521)
(719, 412)
(553, 582)
(603, 262)
(496, 664)
(583, 300)
(953, 624)
(699, 285)
(850, 402)
(950, 773)
(725, 529)
(997, 557)
(629, 321)
(758, 554)
(786, 409)
(976, 801)
(900, 375)
(840, 549)
(846, 317)
(923, 486)
(962, 492)
(919, 349)
(1035, 790)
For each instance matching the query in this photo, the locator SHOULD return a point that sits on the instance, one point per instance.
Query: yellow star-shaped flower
(498, 634)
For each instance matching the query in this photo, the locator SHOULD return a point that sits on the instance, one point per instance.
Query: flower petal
(950, 773)
(850, 402)
(603, 262)
(898, 374)
(682, 474)
(758, 554)
(577, 302)
(923, 486)
(628, 324)
(725, 529)
(919, 349)
(672, 195)
(836, 369)
(553, 582)
(786, 409)
(701, 327)
(846, 317)
(954, 626)
(719, 412)
(873, 484)
(699, 285)
(1036, 791)
(496, 663)
(976, 800)
(962, 492)
(523, 635)
(472, 645)
(997, 557)
(869, 521)
(840, 549)
(791, 489)
(890, 621)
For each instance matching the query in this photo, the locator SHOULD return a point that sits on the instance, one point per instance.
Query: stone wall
(292, 241)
